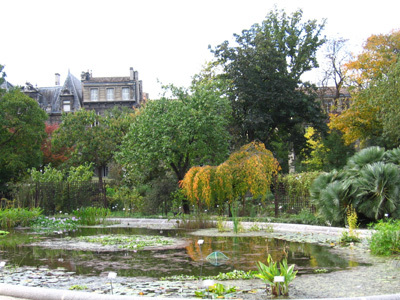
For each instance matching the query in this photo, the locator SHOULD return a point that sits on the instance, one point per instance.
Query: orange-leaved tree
(362, 122)
(250, 169)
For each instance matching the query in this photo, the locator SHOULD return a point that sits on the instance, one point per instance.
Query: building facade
(104, 93)
(91, 93)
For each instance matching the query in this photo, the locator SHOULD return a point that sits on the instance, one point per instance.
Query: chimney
(57, 77)
(131, 74)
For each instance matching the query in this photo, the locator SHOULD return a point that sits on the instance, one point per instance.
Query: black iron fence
(63, 197)
(286, 202)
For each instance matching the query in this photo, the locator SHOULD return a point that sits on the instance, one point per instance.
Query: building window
(110, 94)
(125, 93)
(94, 94)
(66, 106)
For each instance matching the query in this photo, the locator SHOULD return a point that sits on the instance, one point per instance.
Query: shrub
(13, 217)
(91, 215)
(386, 239)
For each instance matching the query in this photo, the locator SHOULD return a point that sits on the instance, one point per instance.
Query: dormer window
(66, 106)
(110, 94)
(94, 94)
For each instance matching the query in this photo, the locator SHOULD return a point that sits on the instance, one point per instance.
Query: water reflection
(243, 253)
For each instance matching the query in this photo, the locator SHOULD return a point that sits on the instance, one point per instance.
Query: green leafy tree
(92, 138)
(327, 153)
(80, 173)
(270, 103)
(175, 134)
(22, 129)
(48, 174)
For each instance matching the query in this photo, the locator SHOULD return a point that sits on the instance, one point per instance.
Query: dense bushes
(369, 182)
(386, 239)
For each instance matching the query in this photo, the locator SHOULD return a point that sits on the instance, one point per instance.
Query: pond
(242, 253)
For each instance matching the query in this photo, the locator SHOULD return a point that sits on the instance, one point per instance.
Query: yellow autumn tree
(362, 121)
(251, 169)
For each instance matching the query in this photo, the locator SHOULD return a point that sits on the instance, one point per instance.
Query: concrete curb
(36, 293)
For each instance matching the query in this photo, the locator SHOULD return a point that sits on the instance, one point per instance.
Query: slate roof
(50, 96)
(107, 79)
(6, 85)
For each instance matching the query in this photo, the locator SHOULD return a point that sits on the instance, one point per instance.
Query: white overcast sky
(164, 40)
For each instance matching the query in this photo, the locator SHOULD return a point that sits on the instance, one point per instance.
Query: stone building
(333, 100)
(91, 93)
(57, 99)
(104, 93)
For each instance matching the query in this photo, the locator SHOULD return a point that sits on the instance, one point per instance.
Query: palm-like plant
(393, 156)
(364, 157)
(333, 202)
(377, 190)
(330, 194)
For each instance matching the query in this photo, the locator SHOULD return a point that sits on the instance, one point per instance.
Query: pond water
(243, 254)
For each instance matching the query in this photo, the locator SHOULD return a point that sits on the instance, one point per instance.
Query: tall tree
(21, 134)
(371, 117)
(175, 134)
(269, 101)
(92, 138)
(334, 73)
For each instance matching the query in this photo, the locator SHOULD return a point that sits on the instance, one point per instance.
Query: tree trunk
(101, 186)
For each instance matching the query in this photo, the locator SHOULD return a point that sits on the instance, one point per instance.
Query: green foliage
(91, 215)
(133, 242)
(49, 174)
(92, 138)
(216, 290)
(22, 130)
(3, 233)
(221, 224)
(50, 224)
(268, 273)
(127, 199)
(298, 185)
(171, 135)
(235, 219)
(80, 173)
(386, 239)
(234, 275)
(377, 190)
(369, 182)
(12, 217)
(269, 101)
(328, 152)
(197, 220)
